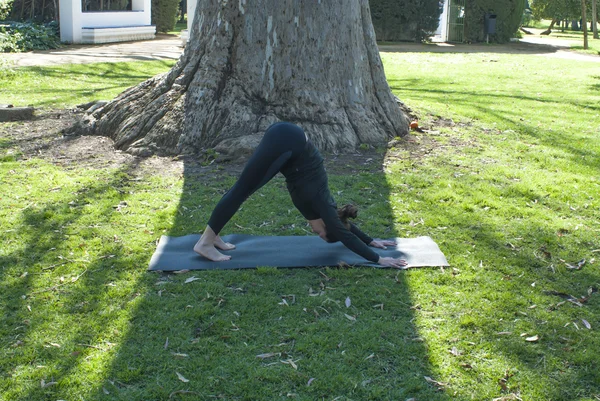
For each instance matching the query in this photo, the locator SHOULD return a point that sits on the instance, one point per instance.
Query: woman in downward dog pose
(285, 148)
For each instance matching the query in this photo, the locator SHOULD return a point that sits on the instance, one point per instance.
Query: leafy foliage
(22, 37)
(558, 9)
(404, 19)
(32, 10)
(5, 6)
(164, 14)
(509, 14)
(6, 69)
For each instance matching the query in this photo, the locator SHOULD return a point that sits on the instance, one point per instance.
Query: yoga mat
(176, 253)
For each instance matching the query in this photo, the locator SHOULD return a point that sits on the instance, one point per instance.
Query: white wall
(72, 19)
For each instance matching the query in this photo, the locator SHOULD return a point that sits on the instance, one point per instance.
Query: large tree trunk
(252, 63)
(584, 24)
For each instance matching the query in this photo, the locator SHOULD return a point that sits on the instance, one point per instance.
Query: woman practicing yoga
(285, 148)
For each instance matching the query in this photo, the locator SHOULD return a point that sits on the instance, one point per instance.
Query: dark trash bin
(489, 24)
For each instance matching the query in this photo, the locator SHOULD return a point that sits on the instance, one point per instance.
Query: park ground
(503, 176)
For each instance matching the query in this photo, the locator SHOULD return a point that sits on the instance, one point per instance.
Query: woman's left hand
(382, 244)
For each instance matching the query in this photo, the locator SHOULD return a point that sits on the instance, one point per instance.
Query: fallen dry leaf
(178, 355)
(352, 318)
(291, 363)
(348, 302)
(454, 351)
(43, 383)
(587, 324)
(435, 382)
(268, 355)
(532, 338)
(310, 381)
(189, 280)
(510, 397)
(180, 377)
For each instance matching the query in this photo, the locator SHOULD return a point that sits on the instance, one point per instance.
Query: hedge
(508, 19)
(404, 20)
(164, 14)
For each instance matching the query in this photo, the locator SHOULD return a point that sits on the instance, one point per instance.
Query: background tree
(556, 10)
(252, 63)
(595, 18)
(584, 24)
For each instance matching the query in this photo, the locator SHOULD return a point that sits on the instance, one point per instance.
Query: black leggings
(282, 142)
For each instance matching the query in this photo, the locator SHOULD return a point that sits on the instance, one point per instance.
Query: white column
(444, 21)
(191, 11)
(70, 21)
(145, 6)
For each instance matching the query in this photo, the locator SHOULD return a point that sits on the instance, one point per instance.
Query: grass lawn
(504, 179)
(73, 84)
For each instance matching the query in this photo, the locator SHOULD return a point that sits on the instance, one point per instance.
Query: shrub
(22, 37)
(164, 14)
(6, 69)
(395, 20)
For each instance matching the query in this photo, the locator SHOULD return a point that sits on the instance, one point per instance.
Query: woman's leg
(275, 149)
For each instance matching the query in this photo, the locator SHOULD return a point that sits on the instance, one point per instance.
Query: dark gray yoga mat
(176, 253)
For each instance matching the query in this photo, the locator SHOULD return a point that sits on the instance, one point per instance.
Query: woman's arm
(334, 226)
(381, 244)
(358, 232)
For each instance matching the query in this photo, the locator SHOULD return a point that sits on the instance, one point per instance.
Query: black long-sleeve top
(307, 183)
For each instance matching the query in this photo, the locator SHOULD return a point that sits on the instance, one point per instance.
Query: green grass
(508, 189)
(69, 85)
(179, 26)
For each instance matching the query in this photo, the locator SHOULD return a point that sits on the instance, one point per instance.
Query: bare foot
(222, 245)
(210, 252)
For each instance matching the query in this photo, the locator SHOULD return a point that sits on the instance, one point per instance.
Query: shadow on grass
(521, 263)
(67, 328)
(231, 334)
(596, 86)
(489, 105)
(507, 48)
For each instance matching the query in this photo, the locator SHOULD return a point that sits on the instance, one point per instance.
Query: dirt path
(163, 47)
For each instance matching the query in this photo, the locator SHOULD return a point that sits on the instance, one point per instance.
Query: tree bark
(595, 19)
(549, 30)
(584, 25)
(252, 63)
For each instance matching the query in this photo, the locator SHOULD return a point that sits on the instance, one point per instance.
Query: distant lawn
(575, 37)
(504, 179)
(179, 26)
(69, 85)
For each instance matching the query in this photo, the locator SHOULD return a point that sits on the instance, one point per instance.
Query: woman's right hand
(392, 262)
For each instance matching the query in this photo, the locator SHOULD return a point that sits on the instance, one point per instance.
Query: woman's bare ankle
(210, 252)
(206, 246)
